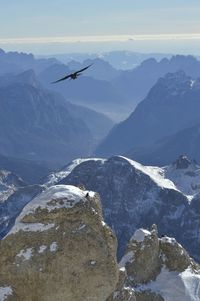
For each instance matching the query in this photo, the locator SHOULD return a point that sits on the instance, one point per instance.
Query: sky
(59, 26)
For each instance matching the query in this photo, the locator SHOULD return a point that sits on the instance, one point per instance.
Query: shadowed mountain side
(168, 149)
(98, 123)
(30, 171)
(36, 125)
(157, 116)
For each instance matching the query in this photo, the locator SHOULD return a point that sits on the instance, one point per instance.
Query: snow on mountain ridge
(155, 173)
(55, 177)
(186, 179)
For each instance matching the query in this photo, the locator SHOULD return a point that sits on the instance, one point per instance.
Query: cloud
(98, 38)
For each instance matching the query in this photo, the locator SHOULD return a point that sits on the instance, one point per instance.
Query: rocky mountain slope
(14, 195)
(98, 123)
(61, 250)
(157, 270)
(135, 196)
(157, 116)
(38, 126)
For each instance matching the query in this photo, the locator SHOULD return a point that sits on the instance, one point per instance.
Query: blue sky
(24, 19)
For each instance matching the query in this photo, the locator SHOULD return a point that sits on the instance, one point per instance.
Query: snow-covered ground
(5, 291)
(174, 286)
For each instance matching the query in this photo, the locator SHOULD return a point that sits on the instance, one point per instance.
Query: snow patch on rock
(140, 235)
(53, 247)
(169, 240)
(129, 257)
(30, 227)
(25, 254)
(5, 291)
(42, 248)
(55, 197)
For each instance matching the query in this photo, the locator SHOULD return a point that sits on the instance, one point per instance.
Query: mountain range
(135, 84)
(102, 87)
(157, 118)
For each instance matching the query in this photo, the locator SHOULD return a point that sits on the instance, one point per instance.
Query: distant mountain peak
(176, 81)
(2, 51)
(173, 84)
(182, 162)
(28, 77)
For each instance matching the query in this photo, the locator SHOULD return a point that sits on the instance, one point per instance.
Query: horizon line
(100, 38)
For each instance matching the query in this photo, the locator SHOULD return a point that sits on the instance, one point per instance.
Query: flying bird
(72, 75)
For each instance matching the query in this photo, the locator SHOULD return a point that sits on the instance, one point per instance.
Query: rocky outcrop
(160, 269)
(59, 249)
(140, 254)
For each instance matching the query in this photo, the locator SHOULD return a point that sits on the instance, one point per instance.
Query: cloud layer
(99, 38)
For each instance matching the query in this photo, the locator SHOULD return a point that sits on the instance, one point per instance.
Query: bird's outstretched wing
(70, 75)
(84, 69)
(63, 78)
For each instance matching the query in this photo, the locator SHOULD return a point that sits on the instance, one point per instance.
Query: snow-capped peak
(155, 173)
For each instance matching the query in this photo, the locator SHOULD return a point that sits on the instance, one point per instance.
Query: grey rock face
(122, 291)
(144, 250)
(182, 162)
